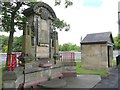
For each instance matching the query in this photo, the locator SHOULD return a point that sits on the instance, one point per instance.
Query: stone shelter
(97, 51)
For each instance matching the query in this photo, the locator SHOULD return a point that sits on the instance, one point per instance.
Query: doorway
(108, 52)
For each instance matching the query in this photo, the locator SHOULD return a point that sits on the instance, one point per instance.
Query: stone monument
(39, 59)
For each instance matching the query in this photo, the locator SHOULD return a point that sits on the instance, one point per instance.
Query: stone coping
(70, 68)
(73, 63)
(46, 65)
(32, 70)
(12, 75)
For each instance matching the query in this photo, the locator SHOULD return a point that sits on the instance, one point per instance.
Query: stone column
(27, 39)
(119, 23)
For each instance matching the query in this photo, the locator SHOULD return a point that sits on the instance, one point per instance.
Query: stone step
(54, 83)
(34, 83)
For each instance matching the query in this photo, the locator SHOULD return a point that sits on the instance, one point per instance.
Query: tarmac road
(111, 81)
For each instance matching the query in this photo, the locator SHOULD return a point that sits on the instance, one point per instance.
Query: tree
(67, 3)
(17, 44)
(12, 17)
(4, 43)
(117, 42)
(69, 47)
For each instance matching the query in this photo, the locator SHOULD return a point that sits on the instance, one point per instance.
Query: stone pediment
(42, 9)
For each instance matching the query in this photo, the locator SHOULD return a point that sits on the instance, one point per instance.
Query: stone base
(32, 75)
(12, 79)
(35, 82)
(69, 74)
(54, 83)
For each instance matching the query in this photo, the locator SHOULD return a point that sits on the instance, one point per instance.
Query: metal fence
(11, 64)
(70, 56)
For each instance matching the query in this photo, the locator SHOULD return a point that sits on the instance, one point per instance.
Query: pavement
(90, 82)
(111, 81)
(93, 82)
(81, 81)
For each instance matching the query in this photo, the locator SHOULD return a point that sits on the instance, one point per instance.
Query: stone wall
(34, 76)
(94, 56)
(42, 52)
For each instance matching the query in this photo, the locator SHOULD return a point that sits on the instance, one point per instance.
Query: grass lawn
(80, 70)
(0, 78)
(114, 61)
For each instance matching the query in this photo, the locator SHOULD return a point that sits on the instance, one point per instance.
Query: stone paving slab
(55, 83)
(81, 81)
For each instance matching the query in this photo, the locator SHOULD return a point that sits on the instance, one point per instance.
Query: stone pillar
(119, 23)
(50, 39)
(27, 39)
(56, 42)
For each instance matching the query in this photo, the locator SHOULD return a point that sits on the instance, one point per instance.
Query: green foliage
(4, 49)
(0, 78)
(67, 3)
(114, 61)
(60, 24)
(17, 44)
(117, 42)
(69, 47)
(4, 43)
(12, 17)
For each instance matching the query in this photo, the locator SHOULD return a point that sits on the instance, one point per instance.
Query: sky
(85, 17)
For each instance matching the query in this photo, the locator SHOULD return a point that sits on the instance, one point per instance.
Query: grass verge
(80, 70)
(114, 61)
(0, 78)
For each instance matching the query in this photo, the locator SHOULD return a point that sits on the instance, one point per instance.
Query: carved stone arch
(40, 5)
(46, 6)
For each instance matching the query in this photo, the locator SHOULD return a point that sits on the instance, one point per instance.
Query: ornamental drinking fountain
(40, 60)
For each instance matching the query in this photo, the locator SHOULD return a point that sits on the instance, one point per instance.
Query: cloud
(92, 3)
(83, 19)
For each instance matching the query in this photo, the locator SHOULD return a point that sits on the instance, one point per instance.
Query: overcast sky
(86, 16)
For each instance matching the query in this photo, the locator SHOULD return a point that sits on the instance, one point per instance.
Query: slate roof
(104, 37)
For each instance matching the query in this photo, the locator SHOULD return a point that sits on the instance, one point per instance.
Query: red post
(8, 63)
(13, 62)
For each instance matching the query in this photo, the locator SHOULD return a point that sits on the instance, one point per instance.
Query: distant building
(97, 51)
